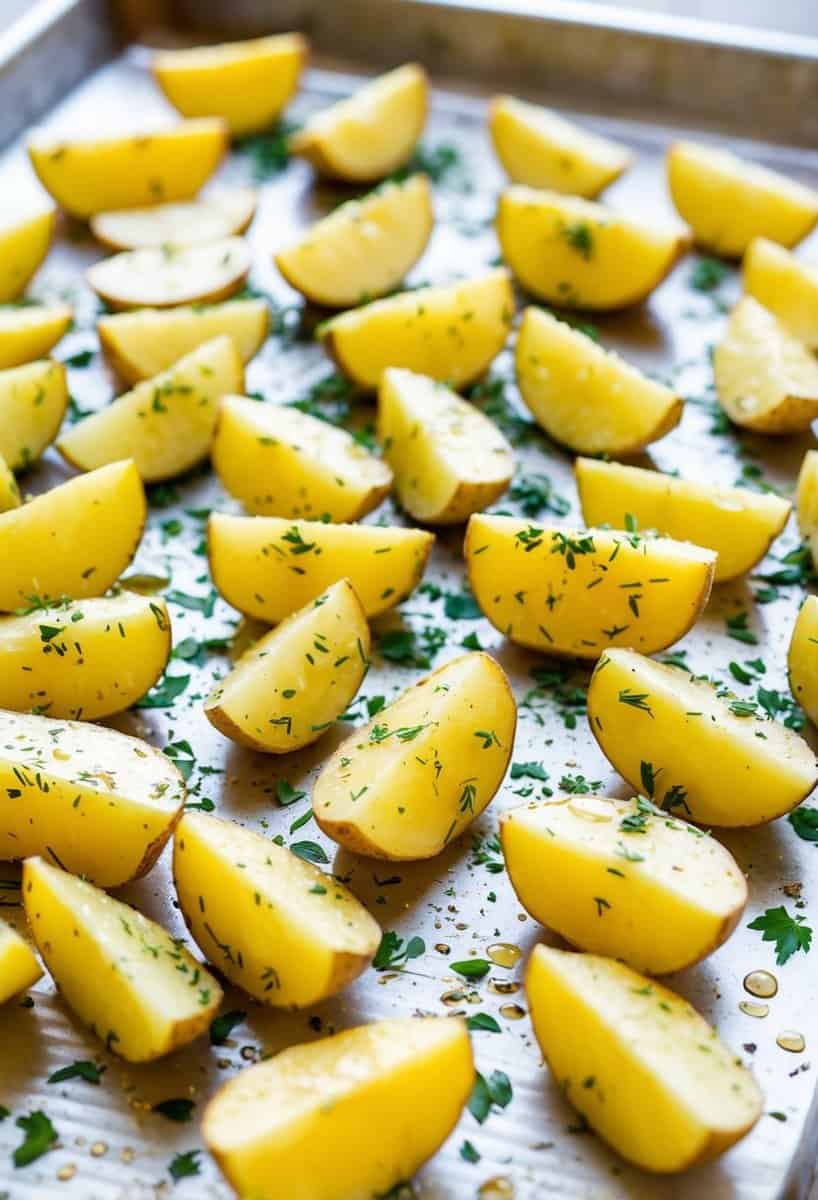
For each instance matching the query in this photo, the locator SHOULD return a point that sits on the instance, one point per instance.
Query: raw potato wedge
(289, 688)
(539, 148)
(424, 768)
(19, 968)
(786, 286)
(75, 540)
(281, 462)
(275, 925)
(766, 380)
(802, 658)
(449, 459)
(677, 738)
(163, 276)
(630, 1060)
(807, 501)
(345, 1117)
(268, 567)
(24, 244)
(370, 134)
(363, 249)
(579, 254)
(576, 592)
(593, 868)
(738, 524)
(209, 218)
(98, 802)
(137, 988)
(88, 176)
(451, 332)
(33, 400)
(31, 331)
(84, 659)
(585, 397)
(9, 491)
(245, 83)
(727, 201)
(166, 424)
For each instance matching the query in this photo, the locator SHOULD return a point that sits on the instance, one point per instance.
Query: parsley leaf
(40, 1136)
(488, 1093)
(185, 1164)
(221, 1027)
(472, 968)
(805, 823)
(483, 1022)
(393, 955)
(177, 1108)
(82, 1069)
(790, 934)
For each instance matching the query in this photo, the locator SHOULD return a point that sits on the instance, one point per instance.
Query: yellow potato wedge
(247, 84)
(75, 540)
(577, 592)
(451, 332)
(727, 201)
(209, 218)
(166, 424)
(807, 501)
(9, 491)
(585, 397)
(802, 658)
(541, 149)
(418, 774)
(580, 254)
(164, 276)
(697, 756)
(631, 1061)
(363, 249)
(268, 567)
(31, 331)
(593, 868)
(24, 244)
(33, 400)
(88, 176)
(370, 134)
(281, 462)
(273, 924)
(343, 1117)
(738, 524)
(786, 286)
(19, 968)
(137, 988)
(449, 459)
(99, 803)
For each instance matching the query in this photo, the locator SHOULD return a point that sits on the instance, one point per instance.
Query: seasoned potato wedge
(24, 244)
(786, 286)
(449, 459)
(98, 802)
(371, 133)
(678, 739)
(31, 331)
(580, 254)
(19, 968)
(592, 868)
(586, 397)
(630, 1060)
(802, 658)
(363, 249)
(161, 277)
(738, 524)
(268, 567)
(75, 540)
(807, 501)
(343, 1117)
(281, 462)
(275, 925)
(138, 988)
(576, 592)
(9, 491)
(451, 333)
(420, 772)
(209, 218)
(87, 176)
(166, 424)
(33, 400)
(727, 201)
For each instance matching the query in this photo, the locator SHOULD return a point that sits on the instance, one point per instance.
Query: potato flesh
(9, 491)
(787, 287)
(19, 968)
(33, 400)
(802, 658)
(807, 501)
(161, 277)
(30, 332)
(210, 218)
(23, 246)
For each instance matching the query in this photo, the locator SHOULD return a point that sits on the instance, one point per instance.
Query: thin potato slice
(164, 276)
(33, 400)
(31, 331)
(209, 218)
(24, 244)
(424, 768)
(807, 501)
(19, 968)
(677, 738)
(786, 286)
(9, 491)
(802, 658)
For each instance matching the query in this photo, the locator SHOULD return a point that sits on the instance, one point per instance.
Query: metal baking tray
(644, 83)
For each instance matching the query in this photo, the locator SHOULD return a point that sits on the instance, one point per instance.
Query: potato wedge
(786, 286)
(419, 773)
(289, 1126)
(592, 868)
(676, 738)
(630, 1060)
(541, 149)
(802, 658)
(580, 254)
(209, 218)
(451, 332)
(33, 400)
(275, 925)
(449, 459)
(268, 567)
(19, 968)
(9, 491)
(166, 424)
(87, 176)
(727, 201)
(98, 802)
(807, 501)
(281, 462)
(31, 331)
(370, 134)
(75, 540)
(245, 83)
(577, 592)
(24, 244)
(738, 524)
(363, 249)
(137, 988)
(164, 276)
(586, 397)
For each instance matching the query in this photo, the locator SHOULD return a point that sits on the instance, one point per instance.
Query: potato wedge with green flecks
(33, 400)
(19, 968)
(30, 331)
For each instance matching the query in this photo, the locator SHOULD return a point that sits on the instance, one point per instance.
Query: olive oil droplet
(761, 983)
(504, 954)
(751, 1009)
(502, 987)
(512, 1012)
(791, 1040)
(499, 1188)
